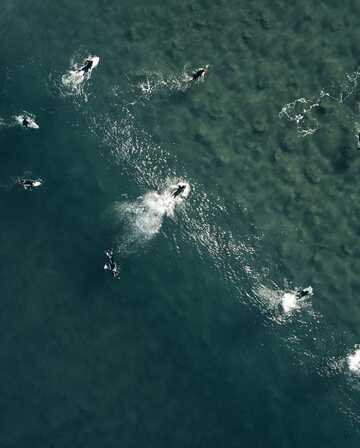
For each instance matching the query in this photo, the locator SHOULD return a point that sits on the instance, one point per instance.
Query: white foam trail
(73, 81)
(151, 165)
(149, 162)
(353, 360)
(156, 82)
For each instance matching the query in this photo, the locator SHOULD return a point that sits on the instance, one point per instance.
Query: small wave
(302, 111)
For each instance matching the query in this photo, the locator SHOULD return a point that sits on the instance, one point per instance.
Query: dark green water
(190, 348)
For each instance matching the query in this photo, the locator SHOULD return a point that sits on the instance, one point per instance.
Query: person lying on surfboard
(179, 190)
(87, 67)
(304, 292)
(29, 184)
(200, 73)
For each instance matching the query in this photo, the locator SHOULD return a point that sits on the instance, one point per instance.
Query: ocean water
(201, 342)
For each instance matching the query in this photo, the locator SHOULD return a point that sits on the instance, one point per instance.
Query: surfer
(304, 292)
(200, 73)
(29, 184)
(26, 122)
(87, 67)
(110, 264)
(180, 188)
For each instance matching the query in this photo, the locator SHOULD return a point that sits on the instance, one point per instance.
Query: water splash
(143, 218)
(283, 304)
(353, 361)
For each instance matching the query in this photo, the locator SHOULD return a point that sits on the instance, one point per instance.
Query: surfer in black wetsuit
(87, 67)
(26, 122)
(110, 264)
(29, 184)
(304, 292)
(180, 188)
(200, 73)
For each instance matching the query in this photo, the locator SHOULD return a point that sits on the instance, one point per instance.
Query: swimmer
(304, 292)
(200, 73)
(87, 67)
(180, 188)
(110, 264)
(29, 184)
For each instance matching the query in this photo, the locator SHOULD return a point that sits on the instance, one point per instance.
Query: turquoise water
(191, 347)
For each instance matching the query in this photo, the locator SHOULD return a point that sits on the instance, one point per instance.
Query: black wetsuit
(25, 122)
(179, 190)
(198, 74)
(87, 66)
(302, 293)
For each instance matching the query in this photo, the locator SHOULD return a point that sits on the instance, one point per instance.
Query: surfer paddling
(304, 292)
(180, 189)
(29, 184)
(27, 121)
(87, 66)
(200, 73)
